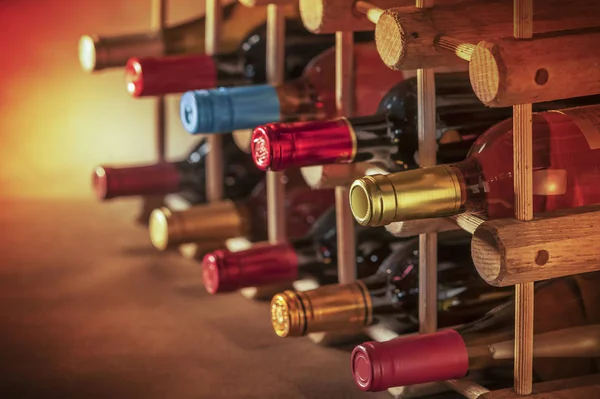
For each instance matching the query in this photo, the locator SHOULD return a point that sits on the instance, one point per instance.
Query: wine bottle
(187, 175)
(100, 52)
(313, 255)
(390, 295)
(388, 137)
(309, 97)
(566, 167)
(151, 76)
(241, 218)
(450, 354)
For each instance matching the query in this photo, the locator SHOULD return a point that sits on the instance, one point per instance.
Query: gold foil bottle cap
(328, 308)
(423, 193)
(287, 315)
(213, 222)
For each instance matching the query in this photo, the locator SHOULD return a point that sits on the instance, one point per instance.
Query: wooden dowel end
(329, 16)
(509, 251)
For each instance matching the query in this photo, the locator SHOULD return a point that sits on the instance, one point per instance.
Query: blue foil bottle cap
(225, 109)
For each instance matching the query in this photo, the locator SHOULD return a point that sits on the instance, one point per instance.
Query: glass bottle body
(566, 167)
(313, 95)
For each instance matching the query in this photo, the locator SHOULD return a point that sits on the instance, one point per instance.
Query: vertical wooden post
(158, 17)
(523, 159)
(275, 75)
(427, 157)
(275, 180)
(344, 95)
(214, 159)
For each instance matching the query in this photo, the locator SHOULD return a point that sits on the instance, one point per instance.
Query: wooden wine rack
(345, 10)
(334, 11)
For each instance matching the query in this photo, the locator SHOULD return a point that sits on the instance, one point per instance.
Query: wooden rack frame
(344, 93)
(214, 159)
(428, 242)
(158, 18)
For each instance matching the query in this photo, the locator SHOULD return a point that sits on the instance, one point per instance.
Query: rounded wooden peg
(329, 16)
(508, 251)
(406, 35)
(400, 46)
(548, 67)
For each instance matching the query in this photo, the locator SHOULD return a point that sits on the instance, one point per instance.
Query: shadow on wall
(57, 122)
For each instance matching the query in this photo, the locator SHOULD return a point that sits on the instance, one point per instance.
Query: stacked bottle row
(294, 127)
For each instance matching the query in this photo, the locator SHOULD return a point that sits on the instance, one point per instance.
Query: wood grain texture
(329, 16)
(523, 160)
(344, 87)
(426, 130)
(523, 189)
(468, 222)
(523, 362)
(586, 387)
(549, 67)
(406, 35)
(467, 387)
(508, 251)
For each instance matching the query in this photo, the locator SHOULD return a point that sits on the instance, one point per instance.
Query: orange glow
(58, 122)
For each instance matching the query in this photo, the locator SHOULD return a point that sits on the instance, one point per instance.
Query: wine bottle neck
(231, 69)
(306, 251)
(298, 101)
(379, 137)
(213, 222)
(328, 308)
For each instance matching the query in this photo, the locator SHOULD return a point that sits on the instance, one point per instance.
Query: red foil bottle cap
(156, 179)
(158, 76)
(279, 146)
(263, 264)
(377, 366)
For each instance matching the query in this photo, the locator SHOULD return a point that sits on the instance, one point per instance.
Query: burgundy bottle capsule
(153, 76)
(377, 366)
(185, 175)
(156, 179)
(279, 146)
(263, 264)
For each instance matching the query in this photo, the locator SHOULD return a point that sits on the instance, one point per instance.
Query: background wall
(57, 122)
